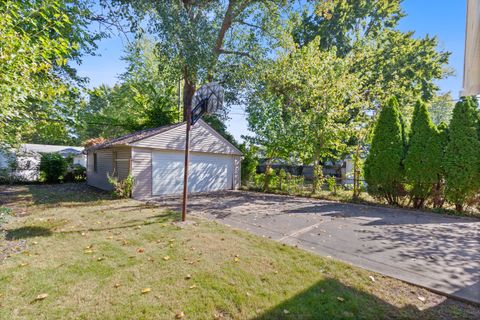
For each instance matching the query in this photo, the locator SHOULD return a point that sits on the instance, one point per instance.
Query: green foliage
(441, 108)
(38, 41)
(146, 97)
(306, 107)
(269, 175)
(121, 188)
(332, 184)
(282, 176)
(76, 173)
(53, 167)
(383, 168)
(249, 162)
(462, 155)
(340, 23)
(423, 162)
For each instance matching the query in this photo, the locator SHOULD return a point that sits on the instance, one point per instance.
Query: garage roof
(172, 137)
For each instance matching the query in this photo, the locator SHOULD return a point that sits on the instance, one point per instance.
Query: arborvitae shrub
(462, 154)
(423, 161)
(383, 166)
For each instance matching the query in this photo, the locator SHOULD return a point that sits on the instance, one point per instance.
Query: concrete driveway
(441, 253)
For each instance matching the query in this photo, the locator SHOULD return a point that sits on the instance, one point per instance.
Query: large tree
(306, 104)
(390, 62)
(423, 162)
(39, 40)
(200, 38)
(462, 155)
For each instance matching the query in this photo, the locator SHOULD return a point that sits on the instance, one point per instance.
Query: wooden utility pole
(185, 171)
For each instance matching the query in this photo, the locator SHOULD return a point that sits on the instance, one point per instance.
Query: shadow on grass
(27, 232)
(330, 299)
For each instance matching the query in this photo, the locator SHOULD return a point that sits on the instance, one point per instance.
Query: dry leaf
(41, 296)
(23, 264)
(140, 250)
(180, 315)
(188, 277)
(421, 298)
(166, 258)
(340, 299)
(192, 286)
(116, 285)
(146, 290)
(88, 251)
(100, 258)
(372, 278)
(89, 246)
(236, 259)
(286, 311)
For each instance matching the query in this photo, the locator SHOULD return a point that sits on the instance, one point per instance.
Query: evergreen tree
(383, 166)
(438, 194)
(462, 161)
(424, 156)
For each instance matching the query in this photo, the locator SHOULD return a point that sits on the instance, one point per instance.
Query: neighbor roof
(48, 148)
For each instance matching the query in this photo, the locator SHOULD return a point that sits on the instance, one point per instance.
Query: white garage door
(207, 172)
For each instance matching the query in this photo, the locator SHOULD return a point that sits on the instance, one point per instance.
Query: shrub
(249, 163)
(462, 154)
(121, 188)
(383, 167)
(438, 192)
(53, 167)
(269, 174)
(76, 173)
(332, 184)
(423, 161)
(5, 213)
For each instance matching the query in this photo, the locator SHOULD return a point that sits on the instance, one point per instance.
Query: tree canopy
(39, 40)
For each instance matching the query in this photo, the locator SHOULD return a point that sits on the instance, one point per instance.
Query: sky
(444, 19)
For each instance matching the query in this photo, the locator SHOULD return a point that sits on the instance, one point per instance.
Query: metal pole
(185, 173)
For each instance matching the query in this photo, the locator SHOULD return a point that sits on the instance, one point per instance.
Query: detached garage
(155, 159)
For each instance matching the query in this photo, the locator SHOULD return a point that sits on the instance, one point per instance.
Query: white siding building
(155, 159)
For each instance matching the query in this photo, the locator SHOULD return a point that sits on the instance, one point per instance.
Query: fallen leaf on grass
(421, 298)
(192, 286)
(41, 296)
(340, 299)
(236, 259)
(100, 258)
(146, 290)
(23, 264)
(188, 277)
(372, 278)
(179, 315)
(166, 258)
(140, 250)
(90, 246)
(88, 251)
(116, 285)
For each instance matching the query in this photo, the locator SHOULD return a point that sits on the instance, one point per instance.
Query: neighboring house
(155, 160)
(23, 163)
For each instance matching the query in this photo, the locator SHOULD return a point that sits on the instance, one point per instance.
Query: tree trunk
(459, 207)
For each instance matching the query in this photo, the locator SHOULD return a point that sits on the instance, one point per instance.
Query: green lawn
(94, 256)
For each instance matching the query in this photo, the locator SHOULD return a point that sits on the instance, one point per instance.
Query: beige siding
(237, 181)
(142, 172)
(203, 139)
(104, 166)
(122, 157)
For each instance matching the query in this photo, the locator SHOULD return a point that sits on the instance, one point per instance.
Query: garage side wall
(142, 173)
(99, 178)
(237, 173)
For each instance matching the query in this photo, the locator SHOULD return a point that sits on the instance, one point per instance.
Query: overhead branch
(238, 53)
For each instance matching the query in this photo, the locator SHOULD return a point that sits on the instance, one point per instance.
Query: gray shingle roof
(134, 136)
